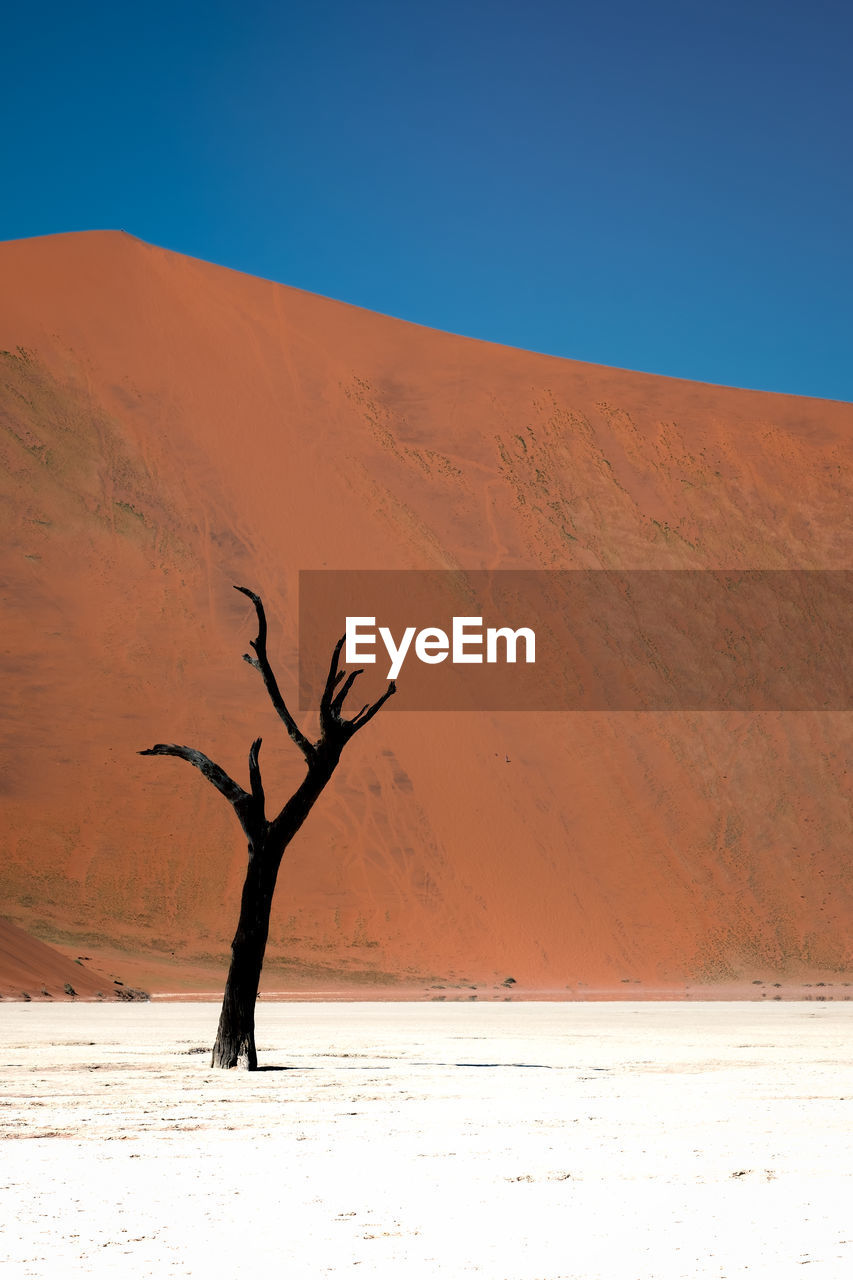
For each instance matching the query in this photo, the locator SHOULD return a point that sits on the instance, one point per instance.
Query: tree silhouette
(268, 839)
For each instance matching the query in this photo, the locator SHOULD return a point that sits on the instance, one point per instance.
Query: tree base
(235, 1054)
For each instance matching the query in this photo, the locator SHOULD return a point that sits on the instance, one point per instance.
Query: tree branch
(245, 806)
(261, 663)
(367, 713)
(332, 723)
(333, 679)
(338, 700)
(232, 790)
(255, 777)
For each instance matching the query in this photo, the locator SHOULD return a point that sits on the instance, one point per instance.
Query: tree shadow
(272, 1067)
(535, 1066)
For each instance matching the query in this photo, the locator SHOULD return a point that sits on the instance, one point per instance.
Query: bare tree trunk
(235, 1036)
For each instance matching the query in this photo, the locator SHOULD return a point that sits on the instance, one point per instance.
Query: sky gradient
(659, 186)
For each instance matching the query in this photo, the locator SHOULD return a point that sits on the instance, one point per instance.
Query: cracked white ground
(510, 1141)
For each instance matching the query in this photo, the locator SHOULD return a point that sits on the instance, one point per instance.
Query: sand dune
(169, 428)
(29, 970)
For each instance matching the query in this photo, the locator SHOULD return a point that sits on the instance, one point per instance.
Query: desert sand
(29, 970)
(514, 1142)
(169, 428)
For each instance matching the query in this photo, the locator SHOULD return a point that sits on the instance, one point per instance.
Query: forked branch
(335, 732)
(261, 663)
(332, 723)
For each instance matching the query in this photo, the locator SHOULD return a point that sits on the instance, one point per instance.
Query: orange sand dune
(169, 428)
(30, 970)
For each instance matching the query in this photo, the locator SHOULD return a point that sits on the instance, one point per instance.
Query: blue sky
(664, 186)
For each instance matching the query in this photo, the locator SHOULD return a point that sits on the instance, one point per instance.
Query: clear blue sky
(664, 185)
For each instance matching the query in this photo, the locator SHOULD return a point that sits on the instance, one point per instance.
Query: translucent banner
(583, 640)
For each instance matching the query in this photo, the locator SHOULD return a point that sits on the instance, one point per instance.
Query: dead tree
(268, 839)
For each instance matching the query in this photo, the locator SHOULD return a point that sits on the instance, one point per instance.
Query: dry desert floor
(509, 1141)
